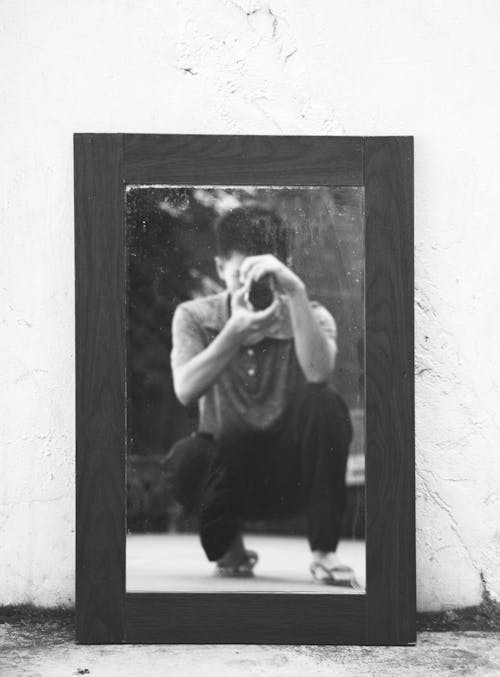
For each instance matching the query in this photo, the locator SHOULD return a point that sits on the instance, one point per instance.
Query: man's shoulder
(207, 311)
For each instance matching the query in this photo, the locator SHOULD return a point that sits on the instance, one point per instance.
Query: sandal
(340, 575)
(243, 569)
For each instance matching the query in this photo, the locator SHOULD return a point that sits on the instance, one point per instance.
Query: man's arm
(315, 352)
(196, 375)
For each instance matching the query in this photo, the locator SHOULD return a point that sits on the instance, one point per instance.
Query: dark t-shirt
(254, 389)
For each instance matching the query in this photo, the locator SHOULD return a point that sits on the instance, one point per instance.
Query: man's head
(248, 230)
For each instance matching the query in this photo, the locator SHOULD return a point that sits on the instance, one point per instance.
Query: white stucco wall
(364, 67)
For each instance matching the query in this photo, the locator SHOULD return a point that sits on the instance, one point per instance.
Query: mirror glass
(245, 389)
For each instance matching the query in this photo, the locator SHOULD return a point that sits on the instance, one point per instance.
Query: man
(273, 435)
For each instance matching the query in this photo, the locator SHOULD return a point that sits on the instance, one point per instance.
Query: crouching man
(273, 435)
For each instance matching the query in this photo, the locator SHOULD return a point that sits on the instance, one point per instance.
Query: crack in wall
(434, 495)
(228, 64)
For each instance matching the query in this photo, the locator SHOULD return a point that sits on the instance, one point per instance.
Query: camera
(261, 294)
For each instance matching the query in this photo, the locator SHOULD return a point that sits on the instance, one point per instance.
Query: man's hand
(315, 353)
(247, 324)
(254, 268)
(244, 327)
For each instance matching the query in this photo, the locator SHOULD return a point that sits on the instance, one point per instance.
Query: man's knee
(323, 402)
(326, 397)
(185, 466)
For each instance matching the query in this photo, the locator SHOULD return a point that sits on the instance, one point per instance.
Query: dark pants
(299, 466)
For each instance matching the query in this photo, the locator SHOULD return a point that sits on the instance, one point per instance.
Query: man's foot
(237, 561)
(326, 568)
(238, 569)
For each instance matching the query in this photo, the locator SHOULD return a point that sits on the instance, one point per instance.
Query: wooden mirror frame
(105, 612)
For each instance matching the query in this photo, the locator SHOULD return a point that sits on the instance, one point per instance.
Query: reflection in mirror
(245, 389)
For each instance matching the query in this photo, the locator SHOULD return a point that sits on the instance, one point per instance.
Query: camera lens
(261, 293)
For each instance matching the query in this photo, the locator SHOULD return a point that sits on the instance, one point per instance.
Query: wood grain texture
(230, 618)
(100, 388)
(390, 455)
(243, 160)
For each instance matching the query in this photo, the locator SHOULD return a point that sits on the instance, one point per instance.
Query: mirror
(245, 389)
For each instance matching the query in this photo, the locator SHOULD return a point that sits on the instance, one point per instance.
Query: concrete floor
(176, 562)
(47, 650)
